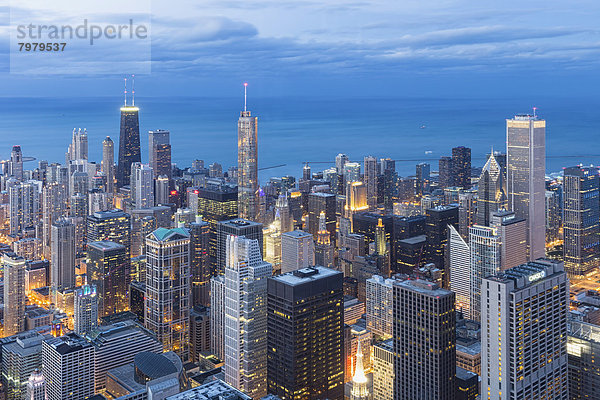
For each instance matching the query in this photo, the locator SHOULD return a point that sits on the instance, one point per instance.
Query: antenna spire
(132, 90)
(534, 112)
(125, 92)
(245, 94)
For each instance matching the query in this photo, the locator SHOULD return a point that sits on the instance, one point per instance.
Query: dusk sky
(361, 48)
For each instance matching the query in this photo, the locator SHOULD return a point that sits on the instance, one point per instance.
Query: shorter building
(297, 251)
(20, 358)
(467, 385)
(383, 370)
(353, 310)
(583, 348)
(199, 331)
(215, 390)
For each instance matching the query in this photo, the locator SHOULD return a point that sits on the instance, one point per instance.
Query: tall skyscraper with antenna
(247, 163)
(129, 139)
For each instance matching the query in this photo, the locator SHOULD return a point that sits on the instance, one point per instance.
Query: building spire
(133, 90)
(245, 94)
(359, 380)
(125, 93)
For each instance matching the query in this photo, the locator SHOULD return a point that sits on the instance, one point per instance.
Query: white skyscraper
(460, 270)
(217, 315)
(86, 309)
(14, 293)
(54, 205)
(78, 149)
(379, 305)
(246, 316)
(524, 332)
(108, 163)
(24, 201)
(98, 200)
(142, 185)
(485, 249)
(297, 251)
(526, 171)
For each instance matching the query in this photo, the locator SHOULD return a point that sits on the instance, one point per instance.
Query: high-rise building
(54, 206)
(16, 163)
(583, 348)
(217, 315)
(423, 171)
(63, 255)
(199, 331)
(445, 173)
(553, 215)
(340, 161)
(490, 195)
(168, 299)
(108, 163)
(513, 236)
(199, 263)
(356, 199)
(245, 319)
(467, 211)
(20, 358)
(68, 365)
(370, 179)
(297, 251)
(324, 251)
(36, 386)
(379, 305)
(159, 152)
(14, 293)
(24, 199)
(98, 200)
(129, 143)
(235, 227)
(305, 341)
(581, 219)
(436, 229)
(460, 270)
(142, 185)
(524, 332)
(383, 370)
(461, 167)
(108, 269)
(247, 164)
(424, 341)
(112, 225)
(325, 202)
(86, 309)
(78, 149)
(526, 169)
(486, 260)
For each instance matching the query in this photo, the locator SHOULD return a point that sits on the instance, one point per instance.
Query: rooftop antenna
(132, 90)
(245, 94)
(125, 92)
(534, 112)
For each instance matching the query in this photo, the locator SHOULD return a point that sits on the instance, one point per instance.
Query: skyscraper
(200, 267)
(217, 316)
(491, 196)
(245, 319)
(235, 227)
(14, 293)
(325, 202)
(129, 143)
(581, 216)
(379, 305)
(168, 299)
(583, 347)
(159, 152)
(24, 199)
(445, 173)
(360, 389)
(247, 164)
(524, 326)
(460, 270)
(108, 163)
(513, 235)
(86, 309)
(370, 179)
(297, 251)
(383, 370)
(54, 206)
(142, 185)
(424, 341)
(108, 270)
(305, 341)
(78, 149)
(526, 169)
(485, 247)
(63, 255)
(436, 228)
(423, 171)
(113, 225)
(324, 251)
(461, 167)
(20, 358)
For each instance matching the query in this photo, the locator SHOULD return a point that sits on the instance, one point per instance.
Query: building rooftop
(239, 223)
(387, 345)
(305, 275)
(297, 234)
(215, 390)
(424, 287)
(530, 273)
(105, 245)
(164, 234)
(114, 213)
(414, 240)
(69, 343)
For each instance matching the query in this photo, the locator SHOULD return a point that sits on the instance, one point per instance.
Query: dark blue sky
(345, 48)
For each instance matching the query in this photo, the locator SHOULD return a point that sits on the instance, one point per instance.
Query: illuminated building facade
(235, 227)
(129, 143)
(14, 293)
(108, 269)
(20, 358)
(199, 265)
(370, 179)
(247, 165)
(297, 251)
(526, 171)
(424, 313)
(112, 225)
(581, 219)
(583, 348)
(305, 311)
(63, 255)
(167, 305)
(491, 196)
(85, 309)
(485, 260)
(461, 167)
(159, 152)
(24, 203)
(379, 305)
(524, 326)
(383, 370)
(325, 202)
(108, 163)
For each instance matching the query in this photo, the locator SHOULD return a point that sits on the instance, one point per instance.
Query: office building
(424, 341)
(235, 227)
(513, 236)
(111, 225)
(14, 293)
(108, 269)
(383, 370)
(325, 202)
(54, 206)
(379, 305)
(581, 219)
(78, 149)
(247, 164)
(116, 345)
(467, 385)
(36, 386)
(583, 348)
(168, 300)
(213, 390)
(108, 163)
(68, 365)
(490, 196)
(526, 171)
(20, 358)
(217, 316)
(159, 152)
(436, 229)
(16, 163)
(129, 143)
(324, 250)
(553, 216)
(98, 200)
(305, 311)
(199, 331)
(142, 185)
(245, 316)
(297, 251)
(423, 177)
(486, 260)
(199, 262)
(461, 167)
(63, 255)
(445, 173)
(356, 199)
(460, 270)
(86, 309)
(370, 179)
(24, 204)
(524, 324)
(467, 211)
